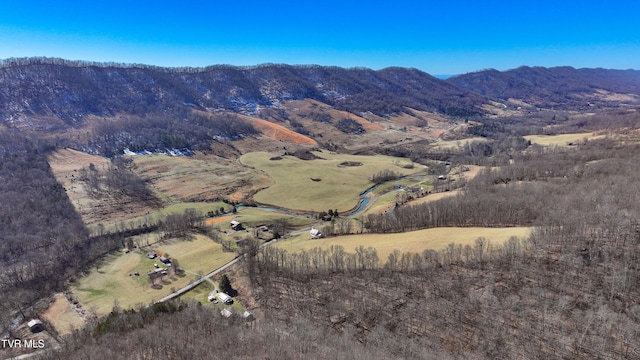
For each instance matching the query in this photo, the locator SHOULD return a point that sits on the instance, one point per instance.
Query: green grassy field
(102, 287)
(338, 188)
(200, 293)
(250, 216)
(414, 241)
(382, 203)
(562, 139)
(198, 255)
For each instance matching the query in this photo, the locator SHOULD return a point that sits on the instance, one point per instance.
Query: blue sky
(439, 38)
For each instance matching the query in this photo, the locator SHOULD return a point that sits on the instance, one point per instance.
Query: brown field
(62, 316)
(218, 220)
(413, 241)
(419, 120)
(65, 164)
(455, 144)
(609, 96)
(279, 132)
(197, 178)
(387, 202)
(562, 139)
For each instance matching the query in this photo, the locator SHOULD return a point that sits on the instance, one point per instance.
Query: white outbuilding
(315, 233)
(224, 298)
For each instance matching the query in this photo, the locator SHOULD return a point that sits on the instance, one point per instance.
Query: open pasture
(320, 184)
(413, 241)
(562, 139)
(110, 282)
(200, 254)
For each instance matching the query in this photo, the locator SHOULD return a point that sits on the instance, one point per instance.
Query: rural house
(236, 225)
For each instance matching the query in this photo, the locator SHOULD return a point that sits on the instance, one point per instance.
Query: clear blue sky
(443, 37)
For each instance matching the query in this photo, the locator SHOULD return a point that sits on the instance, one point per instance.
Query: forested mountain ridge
(558, 87)
(63, 93)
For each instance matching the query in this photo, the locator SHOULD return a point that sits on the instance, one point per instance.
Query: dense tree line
(495, 151)
(191, 331)
(177, 225)
(42, 237)
(384, 176)
(350, 126)
(117, 179)
(553, 122)
(511, 303)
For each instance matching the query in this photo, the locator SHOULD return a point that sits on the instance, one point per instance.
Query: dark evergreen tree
(225, 284)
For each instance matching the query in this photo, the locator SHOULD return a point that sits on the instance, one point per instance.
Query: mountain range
(55, 93)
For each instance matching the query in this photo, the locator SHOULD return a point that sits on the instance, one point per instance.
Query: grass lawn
(102, 287)
(198, 255)
(562, 139)
(414, 241)
(200, 293)
(335, 187)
